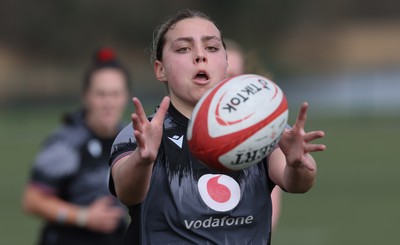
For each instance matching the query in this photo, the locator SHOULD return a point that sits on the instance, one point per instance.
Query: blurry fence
(367, 93)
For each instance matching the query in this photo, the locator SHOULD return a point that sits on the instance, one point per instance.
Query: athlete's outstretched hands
(148, 133)
(295, 143)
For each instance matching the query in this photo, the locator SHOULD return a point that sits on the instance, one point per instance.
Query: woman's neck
(183, 108)
(100, 130)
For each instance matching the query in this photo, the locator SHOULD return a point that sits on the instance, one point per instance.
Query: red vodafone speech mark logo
(219, 192)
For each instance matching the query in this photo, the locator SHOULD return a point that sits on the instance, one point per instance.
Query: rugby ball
(237, 123)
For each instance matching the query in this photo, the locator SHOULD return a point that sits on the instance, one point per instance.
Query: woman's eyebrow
(208, 38)
(183, 39)
(203, 38)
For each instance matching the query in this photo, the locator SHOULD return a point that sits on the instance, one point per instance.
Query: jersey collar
(178, 117)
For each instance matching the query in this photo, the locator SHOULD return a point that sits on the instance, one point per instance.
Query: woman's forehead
(192, 27)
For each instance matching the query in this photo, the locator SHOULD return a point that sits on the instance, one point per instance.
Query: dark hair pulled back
(160, 31)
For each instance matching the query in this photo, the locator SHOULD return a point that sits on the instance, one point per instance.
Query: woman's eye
(212, 48)
(182, 50)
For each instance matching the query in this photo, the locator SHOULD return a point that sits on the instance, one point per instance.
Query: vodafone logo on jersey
(219, 192)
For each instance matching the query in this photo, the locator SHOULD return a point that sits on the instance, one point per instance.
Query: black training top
(187, 203)
(73, 165)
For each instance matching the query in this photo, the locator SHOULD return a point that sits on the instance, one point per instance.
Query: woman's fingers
(148, 133)
(162, 111)
(314, 147)
(310, 136)
(137, 125)
(139, 109)
(302, 117)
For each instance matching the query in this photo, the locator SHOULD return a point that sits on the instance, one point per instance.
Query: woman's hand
(295, 143)
(148, 133)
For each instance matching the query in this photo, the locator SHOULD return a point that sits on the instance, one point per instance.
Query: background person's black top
(73, 165)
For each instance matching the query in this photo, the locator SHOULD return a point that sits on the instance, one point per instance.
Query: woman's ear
(159, 71)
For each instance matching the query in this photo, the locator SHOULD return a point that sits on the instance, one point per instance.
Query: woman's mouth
(201, 77)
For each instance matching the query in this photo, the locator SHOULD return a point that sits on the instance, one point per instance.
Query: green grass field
(355, 200)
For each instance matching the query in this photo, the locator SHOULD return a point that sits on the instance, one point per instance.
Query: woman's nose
(201, 58)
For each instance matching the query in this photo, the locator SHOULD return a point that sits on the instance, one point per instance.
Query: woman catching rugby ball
(171, 196)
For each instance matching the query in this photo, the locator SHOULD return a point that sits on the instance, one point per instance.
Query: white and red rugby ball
(237, 122)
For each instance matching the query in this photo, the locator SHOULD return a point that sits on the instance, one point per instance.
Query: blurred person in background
(236, 58)
(68, 186)
(236, 66)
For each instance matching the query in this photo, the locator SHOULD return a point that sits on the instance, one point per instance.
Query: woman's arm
(99, 216)
(291, 166)
(131, 174)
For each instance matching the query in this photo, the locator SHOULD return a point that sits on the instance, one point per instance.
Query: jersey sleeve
(124, 144)
(54, 164)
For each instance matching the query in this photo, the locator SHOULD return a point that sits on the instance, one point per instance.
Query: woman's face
(106, 98)
(193, 61)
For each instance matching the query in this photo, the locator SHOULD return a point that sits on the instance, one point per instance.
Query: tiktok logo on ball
(220, 192)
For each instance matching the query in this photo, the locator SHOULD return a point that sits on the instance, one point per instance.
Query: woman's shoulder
(70, 134)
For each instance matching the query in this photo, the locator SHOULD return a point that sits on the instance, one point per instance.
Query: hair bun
(105, 55)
